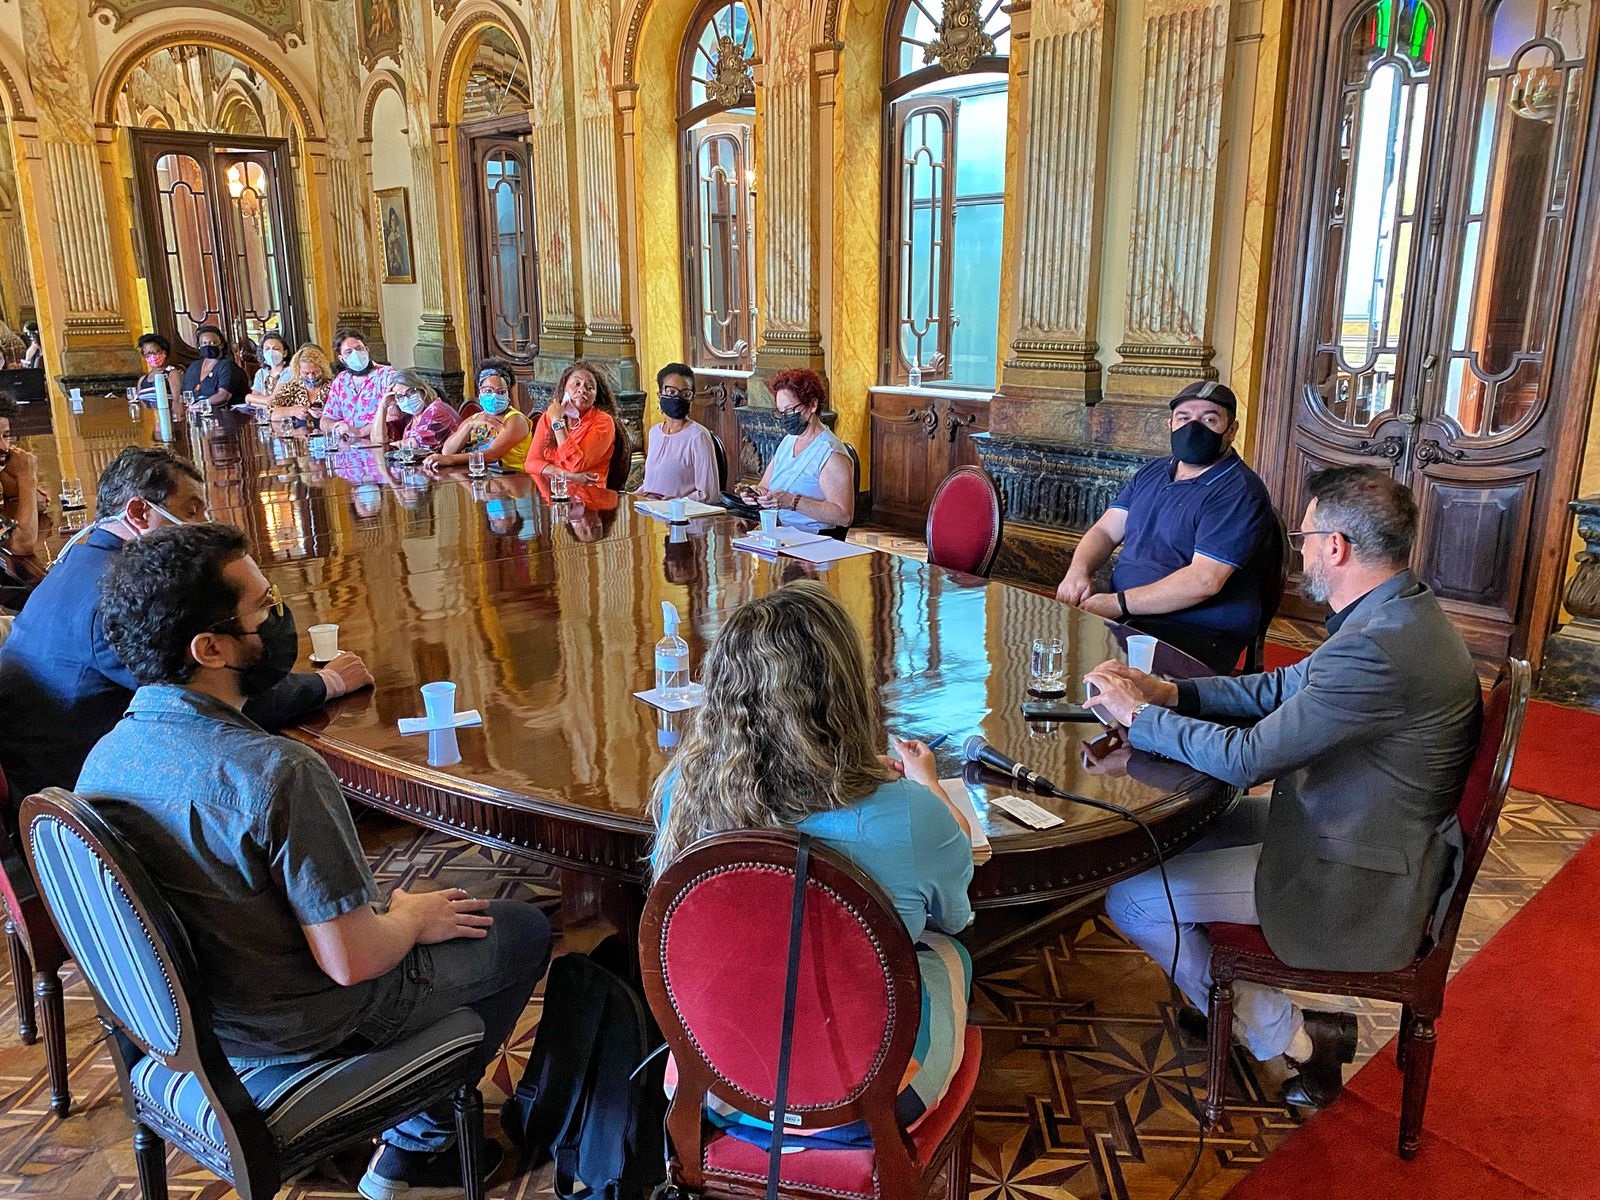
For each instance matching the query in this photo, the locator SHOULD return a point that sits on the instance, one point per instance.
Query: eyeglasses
(672, 393)
(274, 606)
(1302, 534)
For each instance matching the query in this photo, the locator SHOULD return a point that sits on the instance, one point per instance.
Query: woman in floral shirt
(412, 412)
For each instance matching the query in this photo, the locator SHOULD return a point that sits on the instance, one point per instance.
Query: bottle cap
(669, 617)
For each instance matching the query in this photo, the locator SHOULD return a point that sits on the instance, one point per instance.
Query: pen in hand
(938, 741)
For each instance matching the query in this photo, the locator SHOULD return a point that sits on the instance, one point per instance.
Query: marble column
(437, 354)
(560, 320)
(1061, 66)
(607, 326)
(354, 288)
(1167, 336)
(791, 320)
(81, 267)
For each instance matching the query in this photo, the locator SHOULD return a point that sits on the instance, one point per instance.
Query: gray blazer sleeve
(1249, 697)
(1347, 691)
(293, 700)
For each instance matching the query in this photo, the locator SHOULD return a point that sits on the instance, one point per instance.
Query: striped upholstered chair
(255, 1128)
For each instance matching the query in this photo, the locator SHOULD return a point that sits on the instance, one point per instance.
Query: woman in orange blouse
(577, 432)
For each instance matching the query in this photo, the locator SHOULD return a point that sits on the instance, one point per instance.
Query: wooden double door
(497, 191)
(217, 217)
(1433, 311)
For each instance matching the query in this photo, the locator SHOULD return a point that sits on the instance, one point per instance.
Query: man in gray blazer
(1368, 742)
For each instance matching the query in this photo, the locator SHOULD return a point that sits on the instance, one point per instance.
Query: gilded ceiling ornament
(731, 80)
(959, 40)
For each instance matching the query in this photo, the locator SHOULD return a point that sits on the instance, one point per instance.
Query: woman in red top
(577, 433)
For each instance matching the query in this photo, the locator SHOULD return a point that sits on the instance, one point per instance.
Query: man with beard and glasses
(1352, 859)
(1195, 531)
(252, 840)
(62, 686)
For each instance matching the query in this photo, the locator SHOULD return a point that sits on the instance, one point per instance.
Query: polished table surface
(546, 616)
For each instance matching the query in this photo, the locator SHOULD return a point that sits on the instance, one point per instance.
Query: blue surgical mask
(493, 403)
(357, 360)
(410, 404)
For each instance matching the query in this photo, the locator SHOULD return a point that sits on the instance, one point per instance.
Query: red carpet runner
(1555, 757)
(1514, 1110)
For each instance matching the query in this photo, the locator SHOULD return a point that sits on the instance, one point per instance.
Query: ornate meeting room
(807, 599)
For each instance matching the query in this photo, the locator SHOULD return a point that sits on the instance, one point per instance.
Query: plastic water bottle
(915, 376)
(672, 658)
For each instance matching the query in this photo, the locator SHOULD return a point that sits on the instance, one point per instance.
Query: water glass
(558, 485)
(1142, 653)
(439, 702)
(1048, 667)
(324, 642)
(407, 452)
(476, 467)
(71, 494)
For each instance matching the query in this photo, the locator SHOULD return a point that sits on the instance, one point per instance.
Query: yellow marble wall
(855, 320)
(656, 205)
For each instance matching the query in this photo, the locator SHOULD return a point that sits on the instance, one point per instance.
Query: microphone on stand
(976, 750)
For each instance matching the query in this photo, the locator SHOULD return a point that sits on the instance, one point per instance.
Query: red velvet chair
(713, 945)
(965, 521)
(1241, 952)
(37, 957)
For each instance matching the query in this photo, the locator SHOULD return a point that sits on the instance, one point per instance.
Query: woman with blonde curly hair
(788, 738)
(304, 387)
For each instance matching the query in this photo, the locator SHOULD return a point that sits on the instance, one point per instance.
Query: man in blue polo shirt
(1193, 529)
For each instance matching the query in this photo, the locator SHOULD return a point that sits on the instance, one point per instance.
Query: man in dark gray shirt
(254, 847)
(1368, 742)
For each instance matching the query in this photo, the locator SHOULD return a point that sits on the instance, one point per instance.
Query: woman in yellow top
(500, 431)
(577, 433)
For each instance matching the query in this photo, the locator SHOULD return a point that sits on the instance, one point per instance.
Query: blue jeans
(494, 976)
(1214, 880)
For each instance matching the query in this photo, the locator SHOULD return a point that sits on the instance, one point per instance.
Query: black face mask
(210, 351)
(1196, 443)
(794, 422)
(675, 407)
(280, 646)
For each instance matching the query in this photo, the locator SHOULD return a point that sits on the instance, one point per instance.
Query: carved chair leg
(469, 1137)
(1219, 1043)
(958, 1174)
(1414, 1096)
(1401, 1038)
(22, 982)
(51, 1008)
(151, 1154)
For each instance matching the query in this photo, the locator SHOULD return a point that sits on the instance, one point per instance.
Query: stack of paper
(785, 538)
(961, 800)
(662, 509)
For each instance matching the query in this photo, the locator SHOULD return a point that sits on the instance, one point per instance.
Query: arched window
(716, 112)
(946, 93)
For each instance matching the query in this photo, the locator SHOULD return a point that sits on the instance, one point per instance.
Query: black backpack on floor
(584, 1100)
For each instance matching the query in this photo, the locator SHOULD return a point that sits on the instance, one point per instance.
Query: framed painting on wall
(378, 30)
(394, 232)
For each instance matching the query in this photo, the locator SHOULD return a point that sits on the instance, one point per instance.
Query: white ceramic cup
(1142, 652)
(324, 642)
(439, 700)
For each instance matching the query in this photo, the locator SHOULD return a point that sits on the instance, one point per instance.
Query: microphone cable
(1133, 818)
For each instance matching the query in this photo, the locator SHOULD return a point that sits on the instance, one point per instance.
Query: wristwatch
(558, 425)
(1134, 716)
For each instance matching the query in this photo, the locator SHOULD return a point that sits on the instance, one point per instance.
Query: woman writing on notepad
(680, 461)
(810, 480)
(788, 738)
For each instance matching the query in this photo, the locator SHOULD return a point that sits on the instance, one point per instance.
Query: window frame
(893, 370)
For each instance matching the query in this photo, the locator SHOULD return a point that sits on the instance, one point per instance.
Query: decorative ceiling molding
(959, 40)
(468, 20)
(278, 19)
(19, 96)
(114, 75)
(382, 80)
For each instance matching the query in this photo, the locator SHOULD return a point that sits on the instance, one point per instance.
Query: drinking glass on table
(1047, 670)
(476, 467)
(558, 485)
(71, 494)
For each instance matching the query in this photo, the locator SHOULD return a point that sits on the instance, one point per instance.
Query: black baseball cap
(1219, 394)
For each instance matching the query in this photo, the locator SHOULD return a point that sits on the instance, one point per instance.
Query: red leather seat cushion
(1243, 939)
(851, 1170)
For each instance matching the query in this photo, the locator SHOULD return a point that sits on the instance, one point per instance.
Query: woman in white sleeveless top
(810, 480)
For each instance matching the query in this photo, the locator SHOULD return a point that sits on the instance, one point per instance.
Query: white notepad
(785, 538)
(825, 550)
(655, 699)
(662, 509)
(410, 725)
(961, 798)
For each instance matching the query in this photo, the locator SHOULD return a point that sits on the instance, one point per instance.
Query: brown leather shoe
(1333, 1043)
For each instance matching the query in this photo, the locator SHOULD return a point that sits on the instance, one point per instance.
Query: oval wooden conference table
(546, 616)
